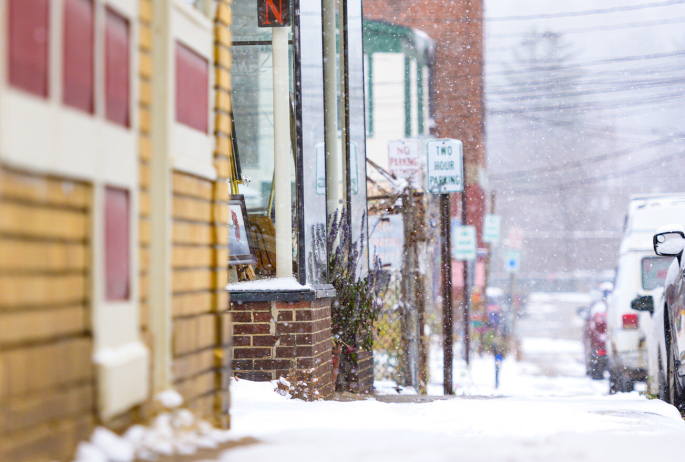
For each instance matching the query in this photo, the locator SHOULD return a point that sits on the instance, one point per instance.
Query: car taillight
(600, 323)
(601, 352)
(630, 321)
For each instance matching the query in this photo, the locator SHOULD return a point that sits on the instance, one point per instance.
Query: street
(546, 409)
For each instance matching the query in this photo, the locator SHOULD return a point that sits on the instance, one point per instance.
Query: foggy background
(582, 110)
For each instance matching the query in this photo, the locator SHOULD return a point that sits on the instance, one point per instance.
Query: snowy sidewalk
(625, 427)
(545, 410)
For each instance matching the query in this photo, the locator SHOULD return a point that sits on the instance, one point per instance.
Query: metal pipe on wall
(331, 106)
(282, 157)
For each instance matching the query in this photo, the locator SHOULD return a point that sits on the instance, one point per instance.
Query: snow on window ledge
(268, 285)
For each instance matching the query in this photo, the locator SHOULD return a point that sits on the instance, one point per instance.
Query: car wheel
(675, 392)
(663, 387)
(614, 383)
(596, 372)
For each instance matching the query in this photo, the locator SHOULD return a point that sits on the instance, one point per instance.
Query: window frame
(66, 82)
(192, 151)
(86, 147)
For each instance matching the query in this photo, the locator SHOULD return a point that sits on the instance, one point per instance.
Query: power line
(602, 105)
(597, 62)
(607, 131)
(591, 160)
(596, 79)
(583, 30)
(599, 178)
(629, 86)
(585, 12)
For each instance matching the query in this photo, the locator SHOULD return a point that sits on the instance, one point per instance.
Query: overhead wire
(599, 178)
(587, 161)
(595, 11)
(602, 28)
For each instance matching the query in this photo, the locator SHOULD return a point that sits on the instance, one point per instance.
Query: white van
(639, 272)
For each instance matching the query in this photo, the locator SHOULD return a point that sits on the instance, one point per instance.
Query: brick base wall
(272, 338)
(356, 378)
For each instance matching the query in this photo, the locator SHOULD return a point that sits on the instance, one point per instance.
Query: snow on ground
(474, 428)
(546, 409)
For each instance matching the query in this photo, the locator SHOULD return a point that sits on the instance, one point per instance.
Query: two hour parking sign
(445, 166)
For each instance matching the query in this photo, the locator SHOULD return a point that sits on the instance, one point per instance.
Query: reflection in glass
(357, 126)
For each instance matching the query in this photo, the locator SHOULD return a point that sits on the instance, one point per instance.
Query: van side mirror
(644, 303)
(669, 243)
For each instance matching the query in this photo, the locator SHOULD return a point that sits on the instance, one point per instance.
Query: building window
(28, 45)
(192, 89)
(117, 249)
(78, 54)
(117, 65)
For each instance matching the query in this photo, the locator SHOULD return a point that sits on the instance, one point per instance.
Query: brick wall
(271, 338)
(200, 258)
(457, 29)
(46, 373)
(356, 377)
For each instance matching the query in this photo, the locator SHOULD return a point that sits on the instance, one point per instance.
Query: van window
(654, 270)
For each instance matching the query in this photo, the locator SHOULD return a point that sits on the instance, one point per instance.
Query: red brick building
(457, 100)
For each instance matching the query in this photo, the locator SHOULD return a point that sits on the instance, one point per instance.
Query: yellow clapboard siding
(43, 222)
(28, 326)
(185, 208)
(192, 256)
(43, 190)
(19, 290)
(67, 361)
(192, 304)
(20, 255)
(193, 233)
(192, 280)
(187, 185)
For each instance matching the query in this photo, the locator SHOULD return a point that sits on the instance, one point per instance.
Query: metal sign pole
(447, 341)
(467, 291)
(445, 175)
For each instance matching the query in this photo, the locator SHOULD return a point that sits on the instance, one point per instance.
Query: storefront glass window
(253, 146)
(356, 168)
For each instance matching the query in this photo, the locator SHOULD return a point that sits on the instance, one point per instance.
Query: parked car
(669, 242)
(594, 333)
(639, 273)
(655, 342)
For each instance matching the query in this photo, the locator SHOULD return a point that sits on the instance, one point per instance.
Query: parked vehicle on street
(639, 273)
(594, 333)
(655, 342)
(669, 242)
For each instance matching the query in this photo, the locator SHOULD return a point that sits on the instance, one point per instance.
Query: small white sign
(386, 239)
(445, 166)
(354, 168)
(491, 228)
(404, 159)
(464, 243)
(512, 261)
(321, 169)
(515, 238)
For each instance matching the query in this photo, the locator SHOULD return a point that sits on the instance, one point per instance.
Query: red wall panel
(28, 45)
(117, 248)
(117, 69)
(78, 54)
(192, 89)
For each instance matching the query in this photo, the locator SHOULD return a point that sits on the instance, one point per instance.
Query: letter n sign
(273, 13)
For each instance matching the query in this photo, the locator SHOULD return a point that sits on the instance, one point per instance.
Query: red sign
(273, 13)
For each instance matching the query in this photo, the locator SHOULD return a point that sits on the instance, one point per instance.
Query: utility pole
(493, 197)
(410, 271)
(445, 232)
